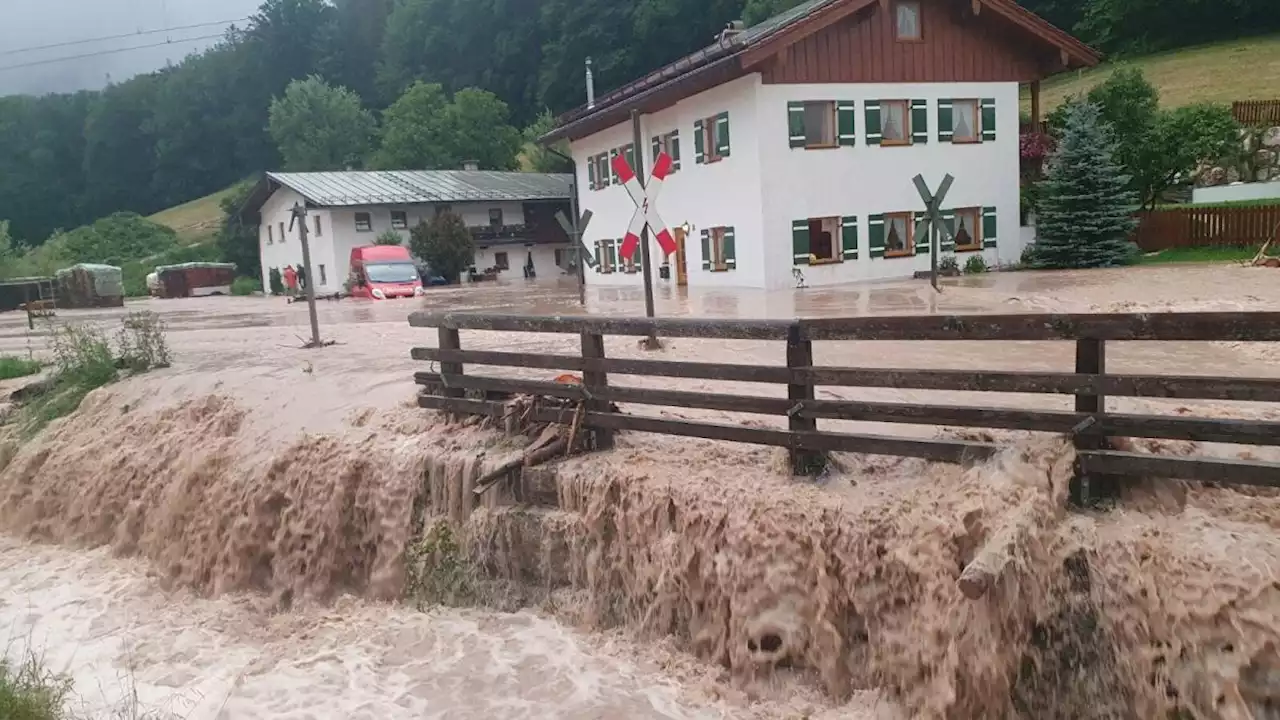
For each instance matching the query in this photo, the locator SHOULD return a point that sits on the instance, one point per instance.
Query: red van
(383, 272)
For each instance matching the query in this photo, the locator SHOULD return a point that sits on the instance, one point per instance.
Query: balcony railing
(502, 233)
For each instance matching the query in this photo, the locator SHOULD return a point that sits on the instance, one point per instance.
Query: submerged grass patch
(16, 367)
(1199, 255)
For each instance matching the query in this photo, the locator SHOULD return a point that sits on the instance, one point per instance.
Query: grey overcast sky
(30, 23)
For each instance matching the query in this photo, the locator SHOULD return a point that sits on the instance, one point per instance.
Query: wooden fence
(453, 390)
(1256, 112)
(1193, 226)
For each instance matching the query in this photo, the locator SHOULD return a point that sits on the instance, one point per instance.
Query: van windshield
(402, 272)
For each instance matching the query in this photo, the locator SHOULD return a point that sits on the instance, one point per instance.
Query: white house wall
(765, 185)
(865, 180)
(544, 259)
(331, 247)
(723, 193)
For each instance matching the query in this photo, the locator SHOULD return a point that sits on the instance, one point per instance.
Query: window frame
(897, 29)
(906, 123)
(975, 214)
(502, 260)
(977, 121)
(496, 221)
(404, 215)
(665, 145)
(319, 231)
(832, 116)
(711, 140)
(324, 278)
(442, 208)
(282, 233)
(910, 250)
(837, 241)
(271, 234)
(368, 224)
(715, 242)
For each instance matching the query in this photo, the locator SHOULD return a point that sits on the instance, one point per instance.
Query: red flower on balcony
(1035, 145)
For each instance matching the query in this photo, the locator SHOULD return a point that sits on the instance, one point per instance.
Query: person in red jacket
(290, 281)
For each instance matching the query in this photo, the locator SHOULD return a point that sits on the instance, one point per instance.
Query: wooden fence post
(450, 340)
(1091, 359)
(594, 381)
(800, 355)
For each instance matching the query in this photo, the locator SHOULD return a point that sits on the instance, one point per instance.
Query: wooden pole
(577, 239)
(644, 234)
(300, 217)
(1091, 359)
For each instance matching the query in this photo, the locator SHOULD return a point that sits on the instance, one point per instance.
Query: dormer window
(906, 21)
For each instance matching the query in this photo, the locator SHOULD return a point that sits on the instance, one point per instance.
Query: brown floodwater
(150, 538)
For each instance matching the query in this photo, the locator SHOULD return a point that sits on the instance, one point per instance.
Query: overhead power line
(82, 56)
(122, 36)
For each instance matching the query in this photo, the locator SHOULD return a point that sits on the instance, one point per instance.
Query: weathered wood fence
(453, 390)
(1193, 226)
(1256, 112)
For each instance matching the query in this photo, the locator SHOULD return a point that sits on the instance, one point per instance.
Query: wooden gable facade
(956, 45)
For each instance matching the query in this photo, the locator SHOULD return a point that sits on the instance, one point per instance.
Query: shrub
(975, 265)
(16, 367)
(445, 245)
(390, 237)
(141, 342)
(438, 573)
(244, 286)
(276, 280)
(948, 265)
(28, 691)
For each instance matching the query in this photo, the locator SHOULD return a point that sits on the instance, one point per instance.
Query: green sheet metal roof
(337, 189)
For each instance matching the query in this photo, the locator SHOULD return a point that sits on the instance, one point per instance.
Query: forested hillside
(160, 139)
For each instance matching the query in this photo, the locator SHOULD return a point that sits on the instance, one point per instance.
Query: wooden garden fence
(1256, 112)
(452, 389)
(1193, 226)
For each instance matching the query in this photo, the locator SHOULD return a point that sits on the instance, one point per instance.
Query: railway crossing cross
(645, 196)
(933, 229)
(576, 232)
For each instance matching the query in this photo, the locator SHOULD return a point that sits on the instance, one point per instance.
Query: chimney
(591, 87)
(470, 164)
(731, 31)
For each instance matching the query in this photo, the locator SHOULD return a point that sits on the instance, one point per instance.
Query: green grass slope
(196, 222)
(1244, 69)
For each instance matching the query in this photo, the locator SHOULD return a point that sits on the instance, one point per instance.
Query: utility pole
(300, 219)
(651, 342)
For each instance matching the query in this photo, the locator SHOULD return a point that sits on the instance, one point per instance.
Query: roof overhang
(726, 61)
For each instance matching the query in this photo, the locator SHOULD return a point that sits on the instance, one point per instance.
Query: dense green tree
(540, 158)
(425, 129)
(320, 127)
(1084, 215)
(238, 241)
(355, 38)
(118, 238)
(444, 244)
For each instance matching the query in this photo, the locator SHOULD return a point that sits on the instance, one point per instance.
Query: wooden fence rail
(1090, 424)
(1193, 226)
(1256, 112)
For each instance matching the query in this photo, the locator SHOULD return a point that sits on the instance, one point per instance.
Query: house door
(682, 269)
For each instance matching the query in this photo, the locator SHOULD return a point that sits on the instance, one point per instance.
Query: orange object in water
(569, 380)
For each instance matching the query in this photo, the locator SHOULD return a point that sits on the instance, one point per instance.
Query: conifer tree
(1085, 212)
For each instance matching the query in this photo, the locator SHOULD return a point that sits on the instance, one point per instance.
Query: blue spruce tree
(1085, 213)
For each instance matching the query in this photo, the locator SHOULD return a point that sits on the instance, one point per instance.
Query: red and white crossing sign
(645, 197)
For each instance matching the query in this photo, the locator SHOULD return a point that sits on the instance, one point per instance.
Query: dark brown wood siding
(958, 47)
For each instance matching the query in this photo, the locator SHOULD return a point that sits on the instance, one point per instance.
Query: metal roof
(337, 189)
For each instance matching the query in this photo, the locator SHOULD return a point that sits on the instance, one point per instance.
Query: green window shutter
(919, 122)
(926, 246)
(699, 143)
(795, 123)
(722, 134)
(873, 122)
(599, 256)
(630, 152)
(675, 150)
(591, 172)
(611, 251)
(875, 234)
(800, 242)
(989, 227)
(706, 249)
(637, 260)
(657, 149)
(845, 123)
(613, 174)
(949, 217)
(988, 120)
(946, 121)
(730, 249)
(849, 237)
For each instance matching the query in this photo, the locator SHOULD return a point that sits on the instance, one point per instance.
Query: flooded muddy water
(150, 538)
